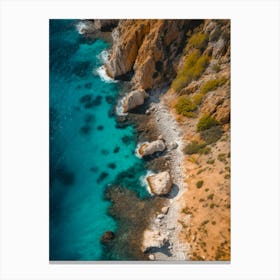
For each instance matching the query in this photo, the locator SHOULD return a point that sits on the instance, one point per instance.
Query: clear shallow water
(87, 150)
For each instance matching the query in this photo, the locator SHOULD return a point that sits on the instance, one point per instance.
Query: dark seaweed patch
(89, 118)
(65, 176)
(105, 152)
(127, 139)
(102, 176)
(89, 102)
(86, 129)
(81, 69)
(93, 169)
(86, 98)
(116, 150)
(100, 127)
(88, 85)
(112, 165)
(110, 99)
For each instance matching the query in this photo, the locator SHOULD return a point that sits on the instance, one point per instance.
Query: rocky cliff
(147, 50)
(191, 58)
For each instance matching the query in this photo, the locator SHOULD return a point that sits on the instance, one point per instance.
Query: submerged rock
(150, 148)
(108, 236)
(160, 183)
(153, 239)
(133, 99)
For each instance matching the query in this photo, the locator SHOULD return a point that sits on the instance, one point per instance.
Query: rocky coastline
(148, 53)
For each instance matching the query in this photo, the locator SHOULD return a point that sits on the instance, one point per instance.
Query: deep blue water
(87, 150)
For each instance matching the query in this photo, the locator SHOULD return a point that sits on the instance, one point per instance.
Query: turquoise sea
(88, 150)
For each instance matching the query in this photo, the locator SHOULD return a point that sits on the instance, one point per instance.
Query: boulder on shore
(153, 239)
(160, 183)
(150, 148)
(107, 237)
(133, 99)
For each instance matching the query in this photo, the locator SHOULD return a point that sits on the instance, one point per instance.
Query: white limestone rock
(133, 99)
(160, 183)
(149, 148)
(153, 239)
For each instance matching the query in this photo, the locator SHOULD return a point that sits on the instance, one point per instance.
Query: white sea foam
(144, 182)
(119, 108)
(101, 71)
(103, 56)
(83, 26)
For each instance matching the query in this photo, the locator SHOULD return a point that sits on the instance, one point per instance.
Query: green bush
(206, 122)
(216, 67)
(212, 134)
(198, 41)
(193, 67)
(196, 148)
(185, 107)
(213, 84)
(197, 99)
(199, 184)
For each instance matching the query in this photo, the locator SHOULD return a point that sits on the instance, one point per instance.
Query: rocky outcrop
(127, 39)
(107, 237)
(160, 184)
(105, 25)
(150, 148)
(147, 48)
(153, 239)
(133, 99)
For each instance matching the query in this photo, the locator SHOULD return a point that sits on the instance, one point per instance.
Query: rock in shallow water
(107, 237)
(150, 148)
(160, 183)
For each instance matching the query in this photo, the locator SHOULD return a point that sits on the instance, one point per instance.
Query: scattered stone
(160, 137)
(160, 183)
(151, 257)
(173, 145)
(160, 216)
(170, 227)
(165, 209)
(150, 148)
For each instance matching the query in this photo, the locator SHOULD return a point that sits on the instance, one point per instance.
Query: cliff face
(147, 49)
(192, 57)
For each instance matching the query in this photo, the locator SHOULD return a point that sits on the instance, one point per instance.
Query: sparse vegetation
(222, 158)
(216, 67)
(193, 67)
(206, 122)
(210, 161)
(198, 41)
(197, 99)
(187, 211)
(196, 147)
(210, 196)
(227, 176)
(199, 184)
(212, 134)
(185, 107)
(204, 223)
(213, 84)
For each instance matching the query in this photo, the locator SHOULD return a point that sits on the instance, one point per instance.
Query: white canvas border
(24, 138)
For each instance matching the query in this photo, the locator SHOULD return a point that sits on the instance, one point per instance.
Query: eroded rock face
(127, 39)
(160, 184)
(133, 99)
(153, 239)
(150, 148)
(105, 24)
(149, 48)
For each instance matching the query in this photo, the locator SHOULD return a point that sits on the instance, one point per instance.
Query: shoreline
(166, 126)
